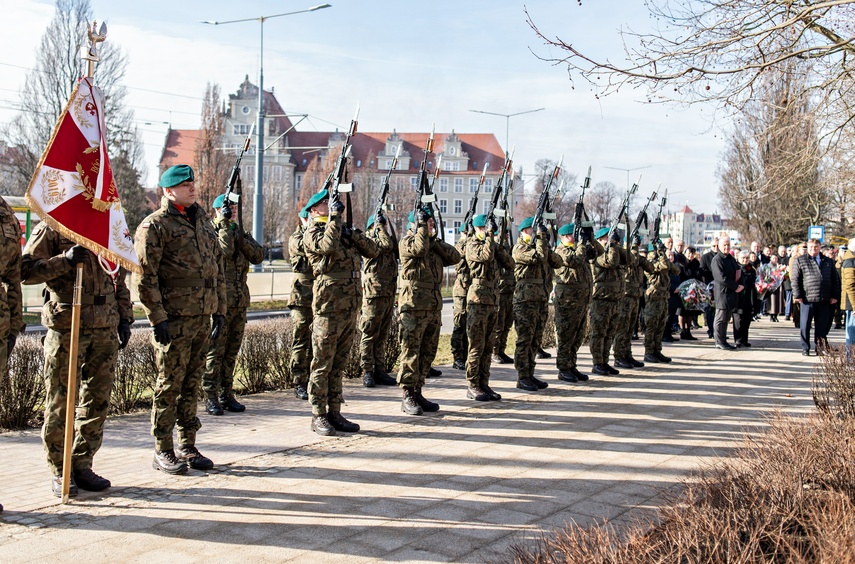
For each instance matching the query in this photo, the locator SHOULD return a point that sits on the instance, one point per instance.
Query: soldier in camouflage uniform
(459, 342)
(636, 266)
(182, 290)
(333, 250)
(379, 276)
(11, 317)
(608, 291)
(656, 303)
(106, 315)
(300, 304)
(239, 251)
(505, 313)
(532, 257)
(423, 258)
(573, 287)
(484, 257)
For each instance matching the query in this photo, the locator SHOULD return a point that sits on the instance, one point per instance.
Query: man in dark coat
(706, 275)
(816, 286)
(726, 273)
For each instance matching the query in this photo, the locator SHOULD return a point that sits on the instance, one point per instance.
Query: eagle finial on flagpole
(89, 53)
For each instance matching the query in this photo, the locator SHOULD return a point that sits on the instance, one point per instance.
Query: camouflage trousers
(570, 321)
(604, 320)
(480, 330)
(655, 317)
(419, 340)
(374, 324)
(332, 338)
(627, 321)
(459, 341)
(180, 366)
(529, 318)
(301, 345)
(222, 354)
(504, 321)
(96, 365)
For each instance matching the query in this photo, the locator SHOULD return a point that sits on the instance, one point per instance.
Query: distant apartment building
(696, 229)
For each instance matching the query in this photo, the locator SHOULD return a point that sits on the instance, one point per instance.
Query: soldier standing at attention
(505, 313)
(656, 303)
(484, 257)
(106, 315)
(459, 341)
(182, 289)
(379, 276)
(532, 257)
(333, 250)
(573, 287)
(239, 251)
(636, 266)
(608, 291)
(300, 304)
(11, 317)
(423, 258)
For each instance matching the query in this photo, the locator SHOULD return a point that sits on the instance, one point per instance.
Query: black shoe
(426, 405)
(339, 423)
(636, 363)
(668, 338)
(527, 385)
(213, 407)
(459, 365)
(383, 379)
(612, 370)
(494, 396)
(805, 353)
(787, 318)
(194, 459)
(622, 363)
(662, 357)
(368, 380)
(166, 461)
(743, 345)
(56, 486)
(725, 346)
(322, 426)
(600, 370)
(687, 336)
(652, 358)
(542, 354)
(477, 394)
(539, 383)
(229, 403)
(579, 375)
(300, 392)
(710, 335)
(88, 480)
(567, 376)
(502, 358)
(434, 373)
(409, 405)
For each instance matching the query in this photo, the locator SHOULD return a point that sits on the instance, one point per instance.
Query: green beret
(370, 221)
(526, 223)
(462, 229)
(479, 220)
(412, 217)
(218, 201)
(304, 214)
(601, 233)
(649, 246)
(316, 199)
(567, 229)
(175, 175)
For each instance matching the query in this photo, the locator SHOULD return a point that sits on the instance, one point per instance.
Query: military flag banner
(73, 188)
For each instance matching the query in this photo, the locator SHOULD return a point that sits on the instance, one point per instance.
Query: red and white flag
(73, 189)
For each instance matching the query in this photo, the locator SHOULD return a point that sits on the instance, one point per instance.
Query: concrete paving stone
(413, 555)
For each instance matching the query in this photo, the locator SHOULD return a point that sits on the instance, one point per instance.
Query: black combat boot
(582, 377)
(624, 363)
(502, 358)
(651, 357)
(229, 403)
(381, 378)
(567, 376)
(477, 394)
(662, 357)
(434, 373)
(636, 363)
(88, 480)
(601, 369)
(527, 385)
(494, 396)
(539, 383)
(213, 407)
(300, 392)
(368, 380)
(542, 354)
(426, 405)
(194, 459)
(322, 426)
(409, 404)
(339, 423)
(166, 461)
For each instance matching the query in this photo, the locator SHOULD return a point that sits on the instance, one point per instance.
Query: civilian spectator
(746, 301)
(847, 297)
(816, 287)
(727, 273)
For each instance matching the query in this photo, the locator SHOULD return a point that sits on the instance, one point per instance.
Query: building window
(443, 185)
(455, 165)
(458, 185)
(457, 225)
(488, 185)
(388, 165)
(458, 206)
(299, 182)
(473, 185)
(486, 206)
(414, 182)
(241, 129)
(443, 206)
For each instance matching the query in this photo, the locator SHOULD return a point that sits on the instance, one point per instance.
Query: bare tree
(602, 202)
(212, 161)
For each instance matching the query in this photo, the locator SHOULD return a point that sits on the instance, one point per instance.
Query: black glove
(219, 321)
(636, 240)
(336, 207)
(124, 331)
(660, 246)
(76, 254)
(615, 238)
(422, 216)
(161, 333)
(381, 219)
(491, 226)
(10, 343)
(226, 211)
(346, 232)
(541, 228)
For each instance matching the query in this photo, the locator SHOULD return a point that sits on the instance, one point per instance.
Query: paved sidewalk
(461, 485)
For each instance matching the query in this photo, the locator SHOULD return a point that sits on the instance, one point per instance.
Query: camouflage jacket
(336, 266)
(659, 278)
(10, 270)
(608, 277)
(380, 274)
(422, 260)
(182, 264)
(506, 275)
(634, 276)
(574, 282)
(239, 251)
(484, 258)
(104, 301)
(531, 269)
(463, 278)
(302, 280)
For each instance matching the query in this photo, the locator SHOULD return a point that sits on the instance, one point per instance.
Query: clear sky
(408, 64)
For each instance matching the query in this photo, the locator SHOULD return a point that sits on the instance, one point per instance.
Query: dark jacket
(724, 269)
(705, 270)
(747, 298)
(814, 282)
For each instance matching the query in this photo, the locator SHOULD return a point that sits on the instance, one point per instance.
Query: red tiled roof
(686, 209)
(180, 147)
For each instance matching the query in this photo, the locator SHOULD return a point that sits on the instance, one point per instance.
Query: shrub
(280, 363)
(22, 386)
(833, 383)
(135, 376)
(254, 361)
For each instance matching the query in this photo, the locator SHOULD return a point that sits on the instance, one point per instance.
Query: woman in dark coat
(746, 301)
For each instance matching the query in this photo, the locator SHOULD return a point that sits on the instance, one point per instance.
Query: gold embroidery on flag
(50, 183)
(121, 236)
(80, 112)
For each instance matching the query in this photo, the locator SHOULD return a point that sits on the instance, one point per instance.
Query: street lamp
(507, 121)
(258, 195)
(628, 170)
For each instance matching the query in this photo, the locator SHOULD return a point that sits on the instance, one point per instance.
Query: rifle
(580, 218)
(505, 212)
(624, 207)
(498, 190)
(473, 202)
(657, 222)
(440, 222)
(642, 218)
(384, 188)
(233, 186)
(423, 191)
(543, 202)
(334, 181)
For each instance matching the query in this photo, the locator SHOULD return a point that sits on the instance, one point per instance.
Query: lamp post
(628, 170)
(258, 194)
(507, 121)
